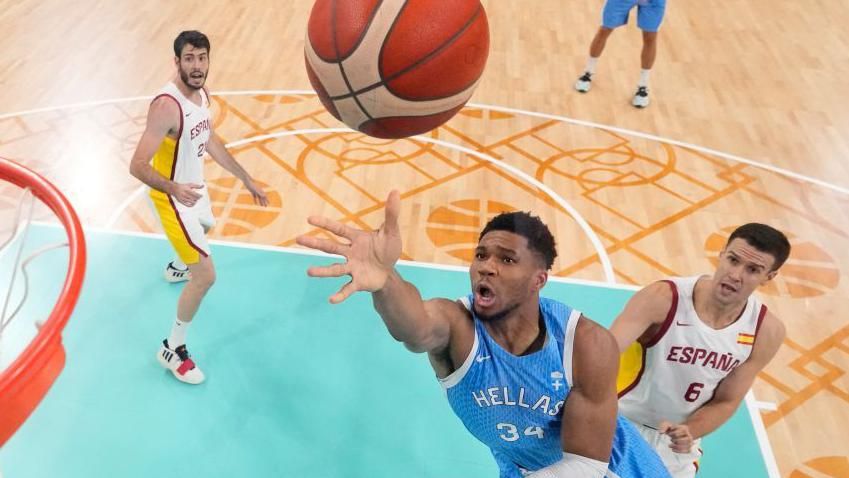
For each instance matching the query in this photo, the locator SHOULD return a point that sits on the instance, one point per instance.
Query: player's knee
(203, 275)
(649, 38)
(207, 279)
(604, 32)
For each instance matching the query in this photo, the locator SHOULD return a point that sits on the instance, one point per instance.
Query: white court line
(119, 211)
(763, 438)
(85, 104)
(768, 406)
(311, 252)
(761, 432)
(582, 223)
(727, 156)
(660, 139)
(751, 403)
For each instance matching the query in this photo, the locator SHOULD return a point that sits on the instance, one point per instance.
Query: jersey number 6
(694, 391)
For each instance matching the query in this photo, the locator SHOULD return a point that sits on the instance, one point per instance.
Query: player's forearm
(228, 162)
(223, 157)
(402, 309)
(709, 417)
(146, 174)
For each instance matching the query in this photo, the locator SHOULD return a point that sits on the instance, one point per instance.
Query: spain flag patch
(745, 339)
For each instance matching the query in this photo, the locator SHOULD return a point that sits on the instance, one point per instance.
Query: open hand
(370, 255)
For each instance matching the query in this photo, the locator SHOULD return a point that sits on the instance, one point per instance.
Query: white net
(29, 287)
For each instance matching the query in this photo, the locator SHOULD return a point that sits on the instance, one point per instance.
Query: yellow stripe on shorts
(173, 227)
(163, 163)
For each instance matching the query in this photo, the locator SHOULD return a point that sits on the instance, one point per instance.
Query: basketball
(396, 68)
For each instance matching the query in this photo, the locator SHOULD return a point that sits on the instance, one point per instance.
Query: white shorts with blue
(649, 13)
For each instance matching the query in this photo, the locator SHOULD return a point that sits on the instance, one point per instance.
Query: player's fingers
(195, 186)
(664, 426)
(324, 245)
(333, 270)
(257, 197)
(343, 293)
(335, 227)
(680, 448)
(393, 209)
(677, 433)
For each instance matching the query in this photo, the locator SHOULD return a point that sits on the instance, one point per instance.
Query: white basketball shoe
(179, 363)
(641, 97)
(172, 274)
(584, 83)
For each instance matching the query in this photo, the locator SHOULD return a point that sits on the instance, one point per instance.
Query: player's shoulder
(595, 353)
(450, 311)
(165, 112)
(592, 332)
(659, 295)
(772, 328)
(165, 105)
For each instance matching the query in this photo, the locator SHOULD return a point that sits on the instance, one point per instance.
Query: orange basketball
(396, 68)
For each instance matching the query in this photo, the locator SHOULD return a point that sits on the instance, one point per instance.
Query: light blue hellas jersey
(513, 404)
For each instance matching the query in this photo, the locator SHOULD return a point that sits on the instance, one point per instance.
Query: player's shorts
(649, 13)
(184, 226)
(680, 465)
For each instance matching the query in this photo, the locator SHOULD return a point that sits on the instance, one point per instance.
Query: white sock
(178, 264)
(178, 334)
(644, 78)
(591, 62)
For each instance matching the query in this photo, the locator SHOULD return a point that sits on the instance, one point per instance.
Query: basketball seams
(342, 66)
(371, 124)
(337, 57)
(385, 81)
(362, 34)
(428, 57)
(353, 86)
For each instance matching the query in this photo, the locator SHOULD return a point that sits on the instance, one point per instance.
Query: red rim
(25, 381)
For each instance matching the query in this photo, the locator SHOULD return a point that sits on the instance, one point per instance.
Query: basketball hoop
(26, 380)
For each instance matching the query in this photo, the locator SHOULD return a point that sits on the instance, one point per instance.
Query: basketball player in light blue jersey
(529, 377)
(615, 14)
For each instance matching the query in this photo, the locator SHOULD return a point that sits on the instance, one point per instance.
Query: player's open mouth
(484, 295)
(727, 288)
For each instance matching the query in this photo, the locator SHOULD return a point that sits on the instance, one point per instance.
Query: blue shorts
(649, 13)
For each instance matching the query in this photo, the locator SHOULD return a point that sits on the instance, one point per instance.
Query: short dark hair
(531, 228)
(191, 37)
(765, 239)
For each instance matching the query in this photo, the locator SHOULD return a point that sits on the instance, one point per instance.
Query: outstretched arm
(370, 262)
(223, 157)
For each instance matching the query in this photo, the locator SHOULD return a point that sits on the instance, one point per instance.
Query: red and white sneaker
(179, 363)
